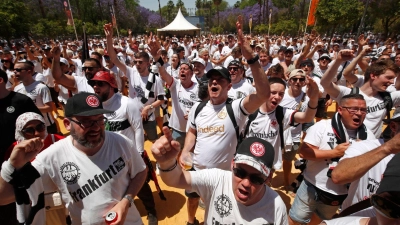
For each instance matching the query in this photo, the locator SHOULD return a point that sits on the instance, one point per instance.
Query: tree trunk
(78, 9)
(42, 9)
(101, 10)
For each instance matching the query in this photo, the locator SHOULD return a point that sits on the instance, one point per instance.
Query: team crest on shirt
(70, 172)
(274, 123)
(193, 97)
(92, 101)
(223, 206)
(257, 149)
(10, 109)
(222, 114)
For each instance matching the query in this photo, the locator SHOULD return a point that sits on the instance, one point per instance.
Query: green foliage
(244, 3)
(217, 30)
(14, 19)
(289, 26)
(388, 14)
(260, 29)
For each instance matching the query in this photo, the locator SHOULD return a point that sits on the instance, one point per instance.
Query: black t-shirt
(11, 107)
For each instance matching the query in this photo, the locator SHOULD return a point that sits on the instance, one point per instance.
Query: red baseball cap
(105, 76)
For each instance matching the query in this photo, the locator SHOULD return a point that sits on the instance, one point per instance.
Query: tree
(217, 3)
(14, 17)
(181, 5)
(388, 14)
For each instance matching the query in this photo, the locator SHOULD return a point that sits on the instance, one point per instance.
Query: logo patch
(92, 101)
(10, 109)
(193, 97)
(223, 206)
(70, 172)
(222, 114)
(119, 164)
(274, 123)
(257, 149)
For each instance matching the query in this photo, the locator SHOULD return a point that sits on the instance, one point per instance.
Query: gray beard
(85, 143)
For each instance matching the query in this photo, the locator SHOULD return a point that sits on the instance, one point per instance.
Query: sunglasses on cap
(88, 68)
(97, 83)
(385, 206)
(31, 130)
(294, 79)
(253, 178)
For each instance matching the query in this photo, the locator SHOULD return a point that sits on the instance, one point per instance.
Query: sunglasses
(90, 123)
(18, 69)
(233, 68)
(294, 79)
(306, 64)
(385, 206)
(31, 130)
(3, 61)
(88, 68)
(138, 62)
(97, 83)
(255, 179)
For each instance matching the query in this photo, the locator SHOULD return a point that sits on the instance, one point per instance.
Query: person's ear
(67, 124)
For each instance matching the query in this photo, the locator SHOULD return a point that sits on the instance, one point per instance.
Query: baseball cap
(289, 49)
(106, 77)
(64, 61)
(231, 35)
(326, 56)
(141, 46)
(220, 71)
(307, 62)
(257, 153)
(84, 104)
(395, 117)
(282, 48)
(391, 176)
(235, 63)
(199, 60)
(259, 46)
(371, 41)
(297, 72)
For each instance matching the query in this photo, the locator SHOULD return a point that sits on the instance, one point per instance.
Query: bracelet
(129, 198)
(253, 60)
(167, 170)
(308, 105)
(6, 171)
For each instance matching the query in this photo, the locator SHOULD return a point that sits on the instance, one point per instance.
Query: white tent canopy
(180, 26)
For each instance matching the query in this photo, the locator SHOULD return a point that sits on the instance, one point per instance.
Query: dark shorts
(151, 130)
(291, 155)
(191, 194)
(321, 108)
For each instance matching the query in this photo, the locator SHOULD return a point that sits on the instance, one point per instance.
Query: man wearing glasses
(84, 166)
(325, 142)
(235, 196)
(241, 87)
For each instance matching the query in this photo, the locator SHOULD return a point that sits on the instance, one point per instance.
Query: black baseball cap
(391, 177)
(235, 63)
(220, 71)
(84, 104)
(256, 153)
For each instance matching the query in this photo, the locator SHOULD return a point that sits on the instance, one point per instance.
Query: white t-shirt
(226, 50)
(118, 74)
(265, 126)
(322, 136)
(125, 109)
(63, 94)
(91, 185)
(39, 77)
(215, 188)
(40, 95)
(216, 137)
(241, 89)
(376, 110)
(228, 60)
(172, 71)
(47, 77)
(217, 56)
(183, 100)
(348, 220)
(367, 185)
(292, 103)
(209, 67)
(137, 87)
(82, 85)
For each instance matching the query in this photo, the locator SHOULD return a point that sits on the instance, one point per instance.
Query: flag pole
(308, 15)
(270, 17)
(73, 22)
(114, 22)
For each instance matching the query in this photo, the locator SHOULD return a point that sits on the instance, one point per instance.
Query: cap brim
(93, 112)
(248, 160)
(215, 71)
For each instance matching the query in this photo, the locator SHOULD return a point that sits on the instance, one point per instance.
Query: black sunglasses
(138, 62)
(90, 123)
(306, 64)
(31, 130)
(294, 79)
(88, 68)
(233, 68)
(18, 69)
(97, 83)
(385, 206)
(255, 179)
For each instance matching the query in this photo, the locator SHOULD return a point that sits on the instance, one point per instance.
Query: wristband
(167, 170)
(6, 171)
(129, 198)
(308, 105)
(253, 60)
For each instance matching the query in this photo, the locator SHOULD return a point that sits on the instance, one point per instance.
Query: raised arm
(326, 81)
(66, 80)
(108, 30)
(252, 102)
(348, 72)
(312, 93)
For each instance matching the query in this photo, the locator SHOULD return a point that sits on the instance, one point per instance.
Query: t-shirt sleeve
(395, 98)
(240, 112)
(205, 181)
(354, 150)
(315, 132)
(342, 92)
(191, 115)
(136, 163)
(135, 120)
(45, 93)
(287, 119)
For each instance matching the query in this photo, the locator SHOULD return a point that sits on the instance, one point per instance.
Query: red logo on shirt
(273, 123)
(92, 101)
(257, 149)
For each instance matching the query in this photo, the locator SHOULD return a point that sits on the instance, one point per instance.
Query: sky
(153, 4)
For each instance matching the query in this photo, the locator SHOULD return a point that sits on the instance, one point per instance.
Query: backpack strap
(232, 116)
(355, 208)
(355, 90)
(341, 72)
(251, 118)
(279, 117)
(199, 108)
(387, 99)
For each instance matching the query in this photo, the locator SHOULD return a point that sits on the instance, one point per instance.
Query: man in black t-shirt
(12, 105)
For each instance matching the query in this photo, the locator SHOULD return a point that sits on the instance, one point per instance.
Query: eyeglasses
(90, 123)
(307, 64)
(294, 79)
(138, 62)
(255, 179)
(88, 68)
(18, 69)
(31, 130)
(233, 68)
(97, 83)
(3, 61)
(354, 110)
(385, 206)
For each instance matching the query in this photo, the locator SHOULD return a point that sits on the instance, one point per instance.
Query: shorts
(321, 108)
(151, 130)
(191, 194)
(157, 111)
(291, 155)
(306, 203)
(179, 137)
(305, 126)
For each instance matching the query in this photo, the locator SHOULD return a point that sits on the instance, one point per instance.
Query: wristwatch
(129, 198)
(151, 106)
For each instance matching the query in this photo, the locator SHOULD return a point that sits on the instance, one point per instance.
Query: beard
(82, 139)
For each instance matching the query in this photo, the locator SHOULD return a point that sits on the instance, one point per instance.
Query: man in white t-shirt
(235, 196)
(323, 145)
(377, 78)
(363, 165)
(241, 86)
(84, 167)
(212, 133)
